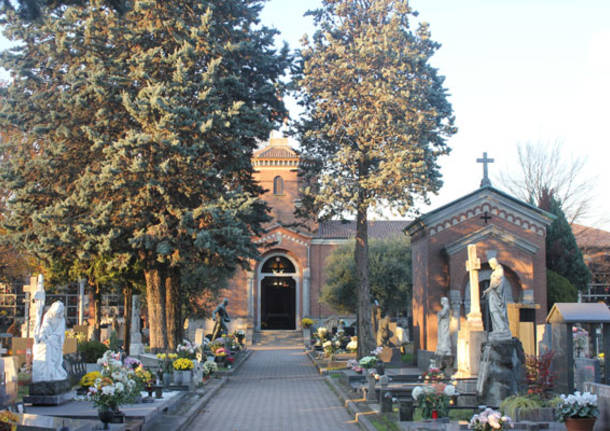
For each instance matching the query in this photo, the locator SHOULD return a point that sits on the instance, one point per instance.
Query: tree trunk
(127, 309)
(366, 338)
(173, 307)
(97, 312)
(155, 299)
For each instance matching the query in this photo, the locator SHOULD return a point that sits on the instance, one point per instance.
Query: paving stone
(277, 389)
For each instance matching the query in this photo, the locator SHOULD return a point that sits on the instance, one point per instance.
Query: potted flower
(113, 388)
(183, 367)
(578, 411)
(490, 420)
(186, 349)
(209, 368)
(433, 375)
(434, 400)
(240, 336)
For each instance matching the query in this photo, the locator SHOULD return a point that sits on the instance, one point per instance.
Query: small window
(278, 265)
(278, 186)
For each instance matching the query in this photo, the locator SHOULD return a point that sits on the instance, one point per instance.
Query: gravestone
(135, 344)
(29, 422)
(585, 370)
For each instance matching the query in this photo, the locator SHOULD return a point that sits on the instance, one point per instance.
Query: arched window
(278, 265)
(278, 186)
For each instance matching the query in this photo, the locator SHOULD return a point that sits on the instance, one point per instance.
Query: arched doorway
(278, 293)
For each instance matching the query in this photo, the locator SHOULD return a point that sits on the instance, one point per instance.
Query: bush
(91, 351)
(559, 289)
(510, 405)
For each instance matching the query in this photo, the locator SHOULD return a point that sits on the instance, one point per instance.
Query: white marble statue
(135, 346)
(500, 328)
(443, 344)
(48, 346)
(37, 302)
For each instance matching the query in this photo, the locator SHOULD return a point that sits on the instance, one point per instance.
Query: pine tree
(562, 253)
(137, 135)
(376, 120)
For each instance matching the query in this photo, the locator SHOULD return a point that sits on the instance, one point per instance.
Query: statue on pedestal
(443, 345)
(500, 328)
(221, 318)
(48, 346)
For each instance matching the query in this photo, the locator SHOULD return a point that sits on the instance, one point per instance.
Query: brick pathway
(277, 389)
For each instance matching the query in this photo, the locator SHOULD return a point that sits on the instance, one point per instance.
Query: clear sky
(517, 71)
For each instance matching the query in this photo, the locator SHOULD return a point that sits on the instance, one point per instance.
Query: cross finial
(485, 160)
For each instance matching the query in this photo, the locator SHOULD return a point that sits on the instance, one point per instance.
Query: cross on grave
(486, 217)
(473, 264)
(485, 160)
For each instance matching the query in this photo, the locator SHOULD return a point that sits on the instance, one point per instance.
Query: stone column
(250, 288)
(135, 345)
(81, 300)
(306, 284)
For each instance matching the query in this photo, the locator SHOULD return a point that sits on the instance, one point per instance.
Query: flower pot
(186, 377)
(105, 414)
(178, 378)
(580, 424)
(167, 378)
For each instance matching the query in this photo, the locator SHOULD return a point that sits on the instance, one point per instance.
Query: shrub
(91, 351)
(540, 378)
(559, 289)
(524, 402)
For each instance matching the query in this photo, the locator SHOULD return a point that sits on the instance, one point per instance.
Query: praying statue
(37, 305)
(443, 345)
(221, 318)
(48, 346)
(500, 328)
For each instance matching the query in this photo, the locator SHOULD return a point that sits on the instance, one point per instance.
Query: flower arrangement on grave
(170, 356)
(433, 374)
(322, 333)
(8, 420)
(115, 386)
(434, 400)
(307, 323)
(577, 406)
(183, 364)
(354, 366)
(131, 362)
(368, 362)
(89, 379)
(352, 346)
(490, 420)
(209, 368)
(186, 349)
(220, 352)
(80, 336)
(143, 377)
(240, 336)
(331, 347)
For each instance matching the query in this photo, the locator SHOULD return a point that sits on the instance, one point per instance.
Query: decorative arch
(278, 185)
(278, 291)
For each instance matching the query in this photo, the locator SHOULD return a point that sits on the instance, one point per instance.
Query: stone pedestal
(52, 393)
(469, 352)
(502, 371)
(390, 356)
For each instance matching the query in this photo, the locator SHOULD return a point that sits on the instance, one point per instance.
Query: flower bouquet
(434, 400)
(433, 374)
(209, 368)
(577, 407)
(490, 420)
(183, 364)
(355, 366)
(186, 349)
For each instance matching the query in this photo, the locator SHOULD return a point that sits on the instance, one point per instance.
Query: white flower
(417, 391)
(108, 390)
(119, 386)
(450, 390)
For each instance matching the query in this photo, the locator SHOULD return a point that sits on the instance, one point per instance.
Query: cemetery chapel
(285, 284)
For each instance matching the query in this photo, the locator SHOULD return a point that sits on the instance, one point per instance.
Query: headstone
(29, 422)
(585, 370)
(390, 355)
(135, 346)
(502, 371)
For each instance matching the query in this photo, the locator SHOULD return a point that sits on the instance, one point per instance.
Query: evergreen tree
(559, 289)
(376, 120)
(137, 135)
(390, 276)
(562, 253)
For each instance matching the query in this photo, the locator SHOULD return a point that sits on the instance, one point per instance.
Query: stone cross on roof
(485, 181)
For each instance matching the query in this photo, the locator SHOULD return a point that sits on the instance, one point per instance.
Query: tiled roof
(589, 237)
(278, 148)
(382, 229)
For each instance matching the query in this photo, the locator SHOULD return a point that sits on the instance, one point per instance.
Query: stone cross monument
(471, 335)
(485, 181)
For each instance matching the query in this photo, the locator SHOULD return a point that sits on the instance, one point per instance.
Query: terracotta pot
(580, 424)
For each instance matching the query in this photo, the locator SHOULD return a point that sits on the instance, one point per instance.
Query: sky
(517, 71)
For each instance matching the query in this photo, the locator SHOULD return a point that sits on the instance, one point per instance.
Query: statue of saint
(500, 328)
(48, 346)
(443, 344)
(37, 307)
(221, 318)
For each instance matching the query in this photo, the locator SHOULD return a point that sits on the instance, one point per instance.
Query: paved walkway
(277, 389)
